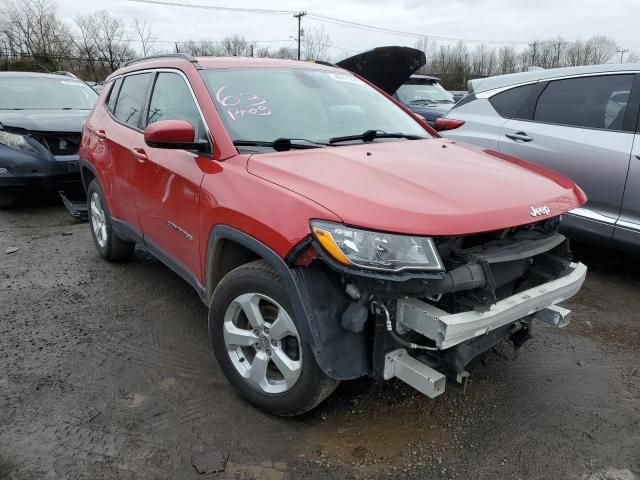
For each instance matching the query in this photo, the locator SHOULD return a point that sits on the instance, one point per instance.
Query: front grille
(513, 260)
(61, 144)
(476, 243)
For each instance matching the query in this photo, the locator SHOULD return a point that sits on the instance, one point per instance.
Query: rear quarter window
(464, 100)
(113, 95)
(508, 103)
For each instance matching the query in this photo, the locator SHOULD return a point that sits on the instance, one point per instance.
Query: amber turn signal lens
(326, 240)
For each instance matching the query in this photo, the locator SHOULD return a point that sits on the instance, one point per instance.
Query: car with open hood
(331, 232)
(41, 118)
(392, 69)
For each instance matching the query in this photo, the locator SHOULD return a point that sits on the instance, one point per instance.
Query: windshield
(265, 104)
(416, 93)
(31, 93)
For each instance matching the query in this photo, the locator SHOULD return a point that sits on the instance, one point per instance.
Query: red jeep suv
(330, 231)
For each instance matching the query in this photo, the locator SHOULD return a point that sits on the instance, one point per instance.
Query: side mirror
(174, 134)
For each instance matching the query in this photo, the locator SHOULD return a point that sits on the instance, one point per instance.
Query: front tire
(259, 346)
(108, 244)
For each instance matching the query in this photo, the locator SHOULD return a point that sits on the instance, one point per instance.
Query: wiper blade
(281, 144)
(371, 135)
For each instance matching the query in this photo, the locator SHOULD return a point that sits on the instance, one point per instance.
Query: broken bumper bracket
(423, 378)
(448, 330)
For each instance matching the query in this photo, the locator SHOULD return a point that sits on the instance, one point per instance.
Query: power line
(328, 19)
(338, 21)
(215, 7)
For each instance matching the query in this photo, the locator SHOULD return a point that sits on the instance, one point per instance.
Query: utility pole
(534, 47)
(558, 45)
(299, 16)
(622, 52)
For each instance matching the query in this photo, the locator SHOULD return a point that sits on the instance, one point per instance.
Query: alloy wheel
(263, 343)
(98, 220)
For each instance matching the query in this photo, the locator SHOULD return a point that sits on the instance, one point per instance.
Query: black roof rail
(184, 56)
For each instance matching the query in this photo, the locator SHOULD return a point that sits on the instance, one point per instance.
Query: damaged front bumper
(426, 327)
(462, 336)
(448, 330)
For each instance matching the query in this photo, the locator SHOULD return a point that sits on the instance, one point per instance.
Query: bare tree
(315, 45)
(632, 57)
(85, 44)
(202, 48)
(144, 33)
(263, 52)
(111, 38)
(602, 48)
(507, 60)
(287, 53)
(33, 29)
(483, 61)
(235, 46)
(426, 45)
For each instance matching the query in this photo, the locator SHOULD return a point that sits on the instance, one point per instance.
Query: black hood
(58, 121)
(386, 67)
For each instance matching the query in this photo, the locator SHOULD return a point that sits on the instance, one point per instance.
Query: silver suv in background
(581, 121)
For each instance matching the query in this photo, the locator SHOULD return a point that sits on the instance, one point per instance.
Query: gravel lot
(106, 372)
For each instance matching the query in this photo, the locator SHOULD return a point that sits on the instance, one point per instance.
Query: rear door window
(131, 99)
(589, 102)
(508, 103)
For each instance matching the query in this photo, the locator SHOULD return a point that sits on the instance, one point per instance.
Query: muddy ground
(106, 372)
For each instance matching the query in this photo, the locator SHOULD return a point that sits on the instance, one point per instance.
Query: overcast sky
(481, 20)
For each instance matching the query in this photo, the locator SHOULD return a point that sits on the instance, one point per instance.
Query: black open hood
(386, 67)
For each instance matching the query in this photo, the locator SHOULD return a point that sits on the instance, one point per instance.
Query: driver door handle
(140, 155)
(518, 136)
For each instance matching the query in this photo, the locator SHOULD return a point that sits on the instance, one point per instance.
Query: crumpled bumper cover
(448, 330)
(23, 170)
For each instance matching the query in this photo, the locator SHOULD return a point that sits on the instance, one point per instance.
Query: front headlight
(15, 140)
(375, 250)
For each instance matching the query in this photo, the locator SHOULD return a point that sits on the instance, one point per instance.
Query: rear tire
(7, 200)
(263, 352)
(107, 242)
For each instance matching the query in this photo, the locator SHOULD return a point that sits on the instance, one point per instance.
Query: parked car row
(329, 229)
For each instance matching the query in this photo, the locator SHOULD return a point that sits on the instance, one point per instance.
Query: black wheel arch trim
(340, 354)
(85, 164)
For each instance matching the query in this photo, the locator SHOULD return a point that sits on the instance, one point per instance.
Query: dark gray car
(580, 121)
(41, 118)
